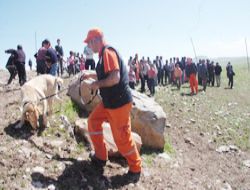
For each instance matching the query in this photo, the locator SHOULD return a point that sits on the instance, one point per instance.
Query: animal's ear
(59, 81)
(26, 115)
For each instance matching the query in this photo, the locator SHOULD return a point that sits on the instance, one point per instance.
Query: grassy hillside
(223, 114)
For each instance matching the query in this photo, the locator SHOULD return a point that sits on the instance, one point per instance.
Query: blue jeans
(53, 69)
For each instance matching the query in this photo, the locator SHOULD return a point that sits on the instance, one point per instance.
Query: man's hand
(84, 76)
(94, 86)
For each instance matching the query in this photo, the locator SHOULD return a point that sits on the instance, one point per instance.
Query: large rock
(148, 120)
(82, 129)
(84, 98)
(147, 116)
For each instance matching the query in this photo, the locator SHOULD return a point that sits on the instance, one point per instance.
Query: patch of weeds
(168, 148)
(148, 159)
(80, 148)
(69, 109)
(243, 141)
(148, 155)
(49, 131)
(22, 184)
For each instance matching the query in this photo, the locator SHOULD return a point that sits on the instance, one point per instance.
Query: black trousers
(21, 72)
(230, 81)
(90, 63)
(60, 67)
(12, 70)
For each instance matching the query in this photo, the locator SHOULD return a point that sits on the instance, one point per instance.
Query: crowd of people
(49, 60)
(175, 71)
(145, 72)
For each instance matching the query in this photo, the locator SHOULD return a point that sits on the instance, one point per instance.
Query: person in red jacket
(112, 81)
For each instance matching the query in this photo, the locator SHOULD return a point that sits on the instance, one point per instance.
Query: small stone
(146, 174)
(165, 156)
(131, 185)
(223, 149)
(51, 187)
(27, 170)
(49, 156)
(246, 163)
(192, 120)
(189, 141)
(38, 169)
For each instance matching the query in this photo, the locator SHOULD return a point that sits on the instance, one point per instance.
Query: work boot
(132, 177)
(96, 161)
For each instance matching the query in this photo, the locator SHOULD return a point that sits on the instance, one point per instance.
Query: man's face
(93, 44)
(58, 42)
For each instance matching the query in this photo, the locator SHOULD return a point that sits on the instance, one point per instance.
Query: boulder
(84, 98)
(82, 130)
(147, 117)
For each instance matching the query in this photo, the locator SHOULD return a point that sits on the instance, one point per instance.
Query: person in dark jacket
(203, 74)
(11, 68)
(230, 75)
(19, 63)
(59, 51)
(211, 74)
(217, 72)
(41, 67)
(51, 58)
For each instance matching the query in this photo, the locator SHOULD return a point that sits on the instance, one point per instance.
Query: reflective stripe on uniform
(96, 133)
(129, 152)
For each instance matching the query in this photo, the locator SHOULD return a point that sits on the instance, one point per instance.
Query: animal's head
(59, 81)
(31, 114)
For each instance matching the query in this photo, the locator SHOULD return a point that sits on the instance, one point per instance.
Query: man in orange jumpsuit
(191, 71)
(112, 80)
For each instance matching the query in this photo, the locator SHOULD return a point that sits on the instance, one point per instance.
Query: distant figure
(217, 71)
(230, 75)
(178, 75)
(211, 74)
(191, 71)
(131, 78)
(71, 63)
(203, 74)
(41, 67)
(90, 62)
(82, 63)
(51, 58)
(59, 51)
(19, 63)
(11, 68)
(152, 74)
(30, 64)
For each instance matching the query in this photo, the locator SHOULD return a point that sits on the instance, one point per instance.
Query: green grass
(80, 148)
(69, 109)
(226, 108)
(168, 147)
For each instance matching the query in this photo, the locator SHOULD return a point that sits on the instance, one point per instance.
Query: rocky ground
(207, 145)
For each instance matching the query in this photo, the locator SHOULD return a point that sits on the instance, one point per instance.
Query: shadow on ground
(79, 175)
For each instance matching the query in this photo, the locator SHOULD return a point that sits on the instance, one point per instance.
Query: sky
(217, 28)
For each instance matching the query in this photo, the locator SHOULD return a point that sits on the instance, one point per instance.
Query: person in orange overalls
(191, 71)
(112, 81)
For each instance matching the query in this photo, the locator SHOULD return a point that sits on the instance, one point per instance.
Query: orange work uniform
(119, 120)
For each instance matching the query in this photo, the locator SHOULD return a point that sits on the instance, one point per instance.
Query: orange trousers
(193, 83)
(119, 120)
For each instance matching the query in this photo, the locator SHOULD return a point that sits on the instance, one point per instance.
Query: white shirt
(88, 52)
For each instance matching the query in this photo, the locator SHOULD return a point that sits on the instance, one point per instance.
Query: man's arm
(112, 79)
